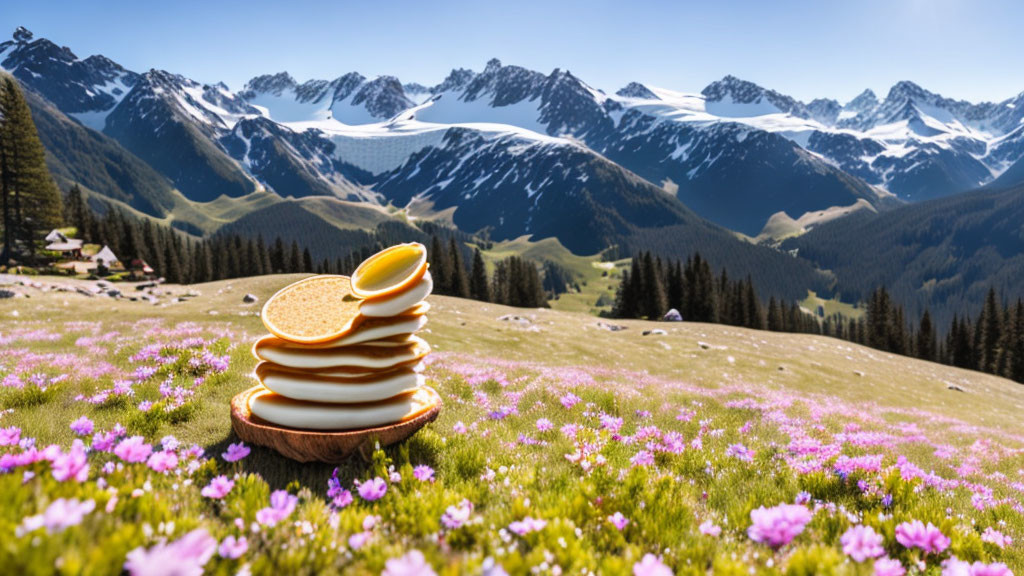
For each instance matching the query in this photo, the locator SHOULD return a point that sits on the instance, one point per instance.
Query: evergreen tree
(1017, 357)
(440, 266)
(478, 286)
(307, 260)
(775, 318)
(990, 330)
(31, 202)
(294, 259)
(459, 282)
(926, 339)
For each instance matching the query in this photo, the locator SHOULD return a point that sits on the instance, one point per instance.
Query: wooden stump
(316, 445)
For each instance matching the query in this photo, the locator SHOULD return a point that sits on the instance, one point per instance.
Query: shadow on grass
(279, 471)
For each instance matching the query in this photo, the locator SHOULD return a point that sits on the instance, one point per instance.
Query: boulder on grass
(250, 299)
(672, 315)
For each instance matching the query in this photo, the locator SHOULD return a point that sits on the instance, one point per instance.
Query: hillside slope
(575, 444)
(944, 253)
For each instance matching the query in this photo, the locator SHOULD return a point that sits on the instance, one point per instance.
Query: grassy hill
(554, 430)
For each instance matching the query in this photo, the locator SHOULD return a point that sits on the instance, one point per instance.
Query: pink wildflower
(651, 565)
(917, 535)
(457, 515)
(218, 487)
(543, 425)
(993, 536)
(889, 567)
(163, 461)
(709, 528)
(527, 525)
(10, 436)
(72, 465)
(59, 515)
(618, 520)
(185, 556)
(282, 504)
(133, 449)
(862, 542)
(777, 526)
(412, 564)
(232, 548)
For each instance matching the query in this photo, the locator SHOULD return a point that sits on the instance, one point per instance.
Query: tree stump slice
(318, 445)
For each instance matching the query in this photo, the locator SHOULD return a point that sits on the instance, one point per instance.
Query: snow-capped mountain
(86, 89)
(528, 144)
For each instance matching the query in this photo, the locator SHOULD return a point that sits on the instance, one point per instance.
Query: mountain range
(509, 151)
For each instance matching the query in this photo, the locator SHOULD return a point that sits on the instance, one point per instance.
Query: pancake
(314, 388)
(369, 329)
(341, 372)
(396, 304)
(390, 271)
(418, 310)
(316, 309)
(289, 413)
(375, 358)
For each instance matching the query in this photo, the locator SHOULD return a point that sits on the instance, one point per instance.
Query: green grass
(732, 385)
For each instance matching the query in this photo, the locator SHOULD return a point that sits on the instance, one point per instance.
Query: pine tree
(459, 282)
(926, 343)
(478, 286)
(775, 319)
(440, 266)
(653, 294)
(31, 202)
(294, 259)
(307, 260)
(990, 329)
(1017, 358)
(674, 294)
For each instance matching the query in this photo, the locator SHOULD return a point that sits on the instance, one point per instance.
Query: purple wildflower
(423, 473)
(82, 427)
(619, 521)
(373, 489)
(236, 452)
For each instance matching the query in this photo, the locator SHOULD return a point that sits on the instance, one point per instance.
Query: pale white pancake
(396, 304)
(417, 310)
(371, 357)
(343, 372)
(369, 329)
(339, 390)
(282, 411)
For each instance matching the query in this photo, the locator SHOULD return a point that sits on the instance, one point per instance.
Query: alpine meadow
(428, 303)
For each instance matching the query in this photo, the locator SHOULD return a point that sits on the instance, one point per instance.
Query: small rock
(954, 388)
(672, 315)
(250, 299)
(858, 373)
(655, 332)
(103, 284)
(514, 318)
(144, 285)
(610, 327)
(6, 294)
(704, 345)
(114, 293)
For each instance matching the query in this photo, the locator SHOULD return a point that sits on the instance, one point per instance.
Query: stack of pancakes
(343, 353)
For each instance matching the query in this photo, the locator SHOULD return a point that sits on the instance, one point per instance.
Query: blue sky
(961, 48)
